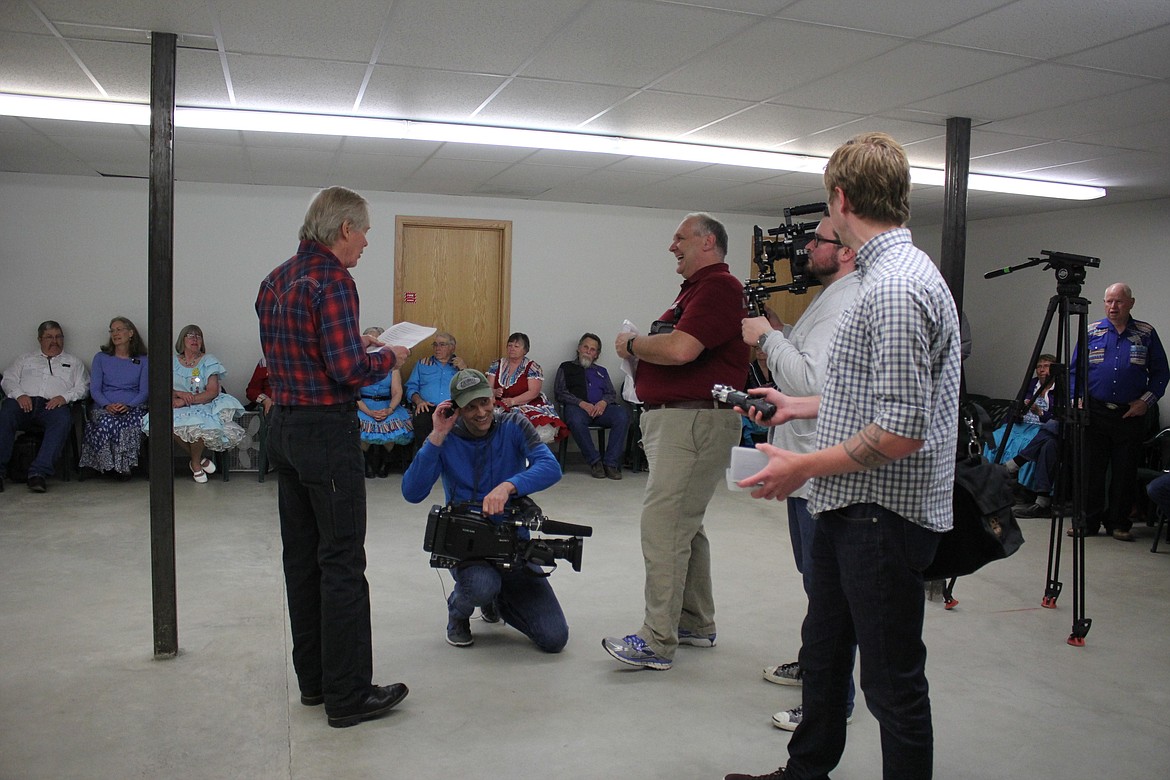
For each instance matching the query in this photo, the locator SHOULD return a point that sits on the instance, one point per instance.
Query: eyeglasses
(441, 344)
(817, 239)
(119, 330)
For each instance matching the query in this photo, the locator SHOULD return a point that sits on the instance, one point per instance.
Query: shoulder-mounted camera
(786, 242)
(461, 532)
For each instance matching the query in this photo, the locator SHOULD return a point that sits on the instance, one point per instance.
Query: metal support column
(160, 314)
(953, 262)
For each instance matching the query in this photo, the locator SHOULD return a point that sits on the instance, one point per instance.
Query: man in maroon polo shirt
(688, 438)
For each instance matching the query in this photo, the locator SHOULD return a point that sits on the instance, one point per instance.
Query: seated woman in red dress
(517, 382)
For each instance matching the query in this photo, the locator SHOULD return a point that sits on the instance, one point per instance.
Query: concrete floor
(81, 695)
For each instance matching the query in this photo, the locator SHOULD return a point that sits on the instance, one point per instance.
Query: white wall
(74, 250)
(1007, 313)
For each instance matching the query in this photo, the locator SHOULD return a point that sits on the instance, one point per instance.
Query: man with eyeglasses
(796, 357)
(39, 387)
(430, 382)
(882, 476)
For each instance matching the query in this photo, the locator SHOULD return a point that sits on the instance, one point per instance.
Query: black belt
(375, 398)
(711, 404)
(1107, 405)
(346, 406)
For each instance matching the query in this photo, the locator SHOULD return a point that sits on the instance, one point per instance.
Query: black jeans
(322, 491)
(866, 589)
(1114, 449)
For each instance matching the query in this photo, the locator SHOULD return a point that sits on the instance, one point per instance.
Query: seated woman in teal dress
(205, 416)
(383, 420)
(118, 384)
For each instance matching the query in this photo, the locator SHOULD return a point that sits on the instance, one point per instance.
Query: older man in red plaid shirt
(317, 361)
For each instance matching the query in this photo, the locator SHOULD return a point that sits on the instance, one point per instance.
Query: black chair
(635, 453)
(564, 446)
(1155, 463)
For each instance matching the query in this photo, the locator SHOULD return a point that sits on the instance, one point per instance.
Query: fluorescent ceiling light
(404, 129)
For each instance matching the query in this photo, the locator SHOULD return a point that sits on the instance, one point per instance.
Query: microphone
(998, 272)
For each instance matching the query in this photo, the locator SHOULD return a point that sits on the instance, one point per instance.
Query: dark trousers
(1114, 450)
(1044, 451)
(55, 422)
(614, 418)
(322, 499)
(866, 589)
(802, 527)
(423, 425)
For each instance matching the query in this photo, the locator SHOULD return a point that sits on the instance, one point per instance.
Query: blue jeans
(802, 527)
(56, 423)
(322, 500)
(1159, 492)
(526, 601)
(867, 589)
(614, 418)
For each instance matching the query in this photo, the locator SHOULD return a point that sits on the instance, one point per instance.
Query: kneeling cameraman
(487, 459)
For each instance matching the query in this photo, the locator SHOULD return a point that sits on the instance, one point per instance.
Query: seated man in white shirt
(39, 386)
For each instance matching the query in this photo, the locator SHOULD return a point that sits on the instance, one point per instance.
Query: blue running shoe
(633, 650)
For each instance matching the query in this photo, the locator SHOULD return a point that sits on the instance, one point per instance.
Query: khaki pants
(688, 451)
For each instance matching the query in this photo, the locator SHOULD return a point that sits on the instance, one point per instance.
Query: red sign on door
(410, 297)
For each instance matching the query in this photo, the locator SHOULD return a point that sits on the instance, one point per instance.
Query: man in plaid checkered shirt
(882, 476)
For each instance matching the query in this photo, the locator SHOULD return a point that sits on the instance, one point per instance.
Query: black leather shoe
(379, 700)
(36, 483)
(371, 467)
(384, 463)
(312, 699)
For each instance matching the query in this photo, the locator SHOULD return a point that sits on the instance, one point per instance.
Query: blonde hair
(873, 172)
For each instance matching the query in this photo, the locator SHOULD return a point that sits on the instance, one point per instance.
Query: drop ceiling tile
(307, 29)
(71, 16)
(199, 79)
(288, 84)
(471, 35)
(412, 93)
(768, 125)
(1100, 114)
(610, 42)
(1027, 91)
(909, 18)
(663, 115)
(548, 105)
(1053, 28)
(774, 57)
(390, 146)
(906, 74)
(40, 65)
(1144, 54)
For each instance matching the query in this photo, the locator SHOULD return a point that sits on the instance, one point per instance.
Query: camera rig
(460, 532)
(788, 242)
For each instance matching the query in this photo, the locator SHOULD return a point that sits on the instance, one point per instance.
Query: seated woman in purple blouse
(118, 386)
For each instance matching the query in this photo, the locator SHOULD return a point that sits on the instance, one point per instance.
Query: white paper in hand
(403, 334)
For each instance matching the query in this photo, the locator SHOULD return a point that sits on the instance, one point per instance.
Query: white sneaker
(784, 674)
(790, 719)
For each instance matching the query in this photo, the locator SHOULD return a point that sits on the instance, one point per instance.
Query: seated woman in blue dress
(1018, 455)
(383, 420)
(119, 386)
(205, 416)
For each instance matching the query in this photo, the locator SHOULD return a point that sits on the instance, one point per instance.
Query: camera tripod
(1072, 418)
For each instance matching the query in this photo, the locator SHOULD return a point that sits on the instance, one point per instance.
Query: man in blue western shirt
(1128, 373)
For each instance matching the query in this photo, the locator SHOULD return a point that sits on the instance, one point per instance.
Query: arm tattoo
(865, 448)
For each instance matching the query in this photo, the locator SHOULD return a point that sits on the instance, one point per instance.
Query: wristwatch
(760, 341)
(630, 345)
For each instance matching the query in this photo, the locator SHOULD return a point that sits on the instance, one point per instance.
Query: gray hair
(330, 210)
(707, 225)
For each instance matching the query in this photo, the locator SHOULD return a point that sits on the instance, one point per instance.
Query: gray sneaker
(790, 719)
(784, 674)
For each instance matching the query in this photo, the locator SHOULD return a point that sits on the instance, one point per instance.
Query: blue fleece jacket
(472, 466)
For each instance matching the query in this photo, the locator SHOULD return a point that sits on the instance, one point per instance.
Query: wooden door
(455, 274)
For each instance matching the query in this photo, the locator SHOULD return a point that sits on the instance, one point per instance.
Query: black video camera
(787, 242)
(460, 532)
